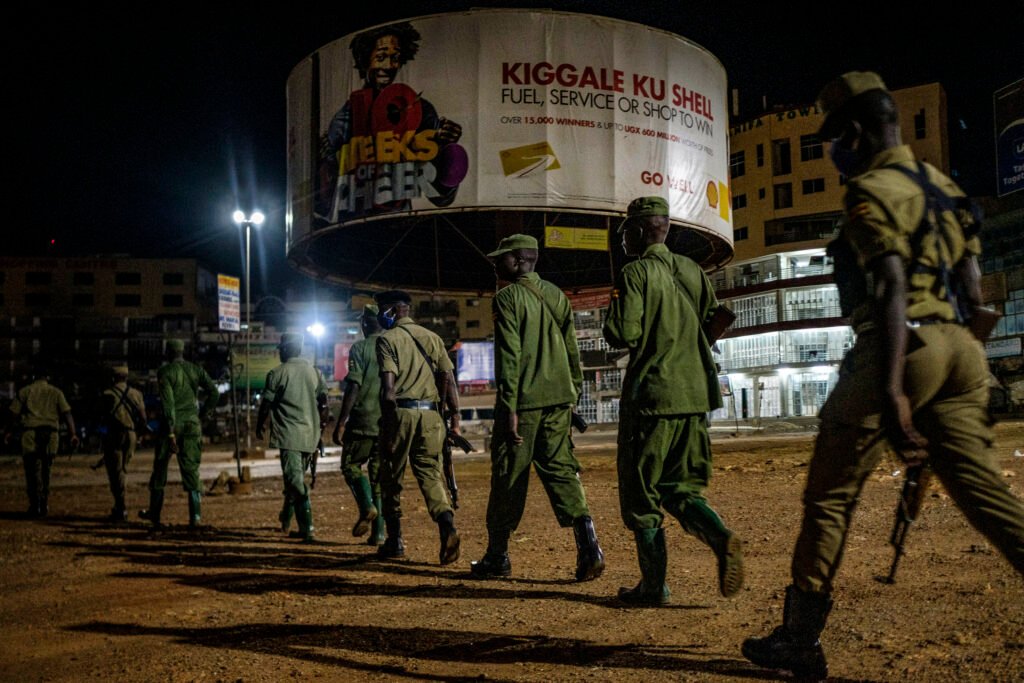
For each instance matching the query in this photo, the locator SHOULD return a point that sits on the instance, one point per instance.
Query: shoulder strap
(423, 352)
(532, 288)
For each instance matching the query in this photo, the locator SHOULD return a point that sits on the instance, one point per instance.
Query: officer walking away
(180, 382)
(416, 377)
(123, 411)
(916, 380)
(39, 408)
(293, 398)
(537, 367)
(658, 306)
(357, 430)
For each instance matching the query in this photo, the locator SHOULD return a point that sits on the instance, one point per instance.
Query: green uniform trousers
(420, 438)
(293, 466)
(358, 450)
(118, 449)
(664, 461)
(946, 380)
(546, 444)
(188, 435)
(38, 447)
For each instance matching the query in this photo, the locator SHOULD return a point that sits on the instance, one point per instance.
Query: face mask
(388, 319)
(844, 158)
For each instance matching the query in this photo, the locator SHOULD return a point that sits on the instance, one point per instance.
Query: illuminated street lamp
(317, 330)
(254, 220)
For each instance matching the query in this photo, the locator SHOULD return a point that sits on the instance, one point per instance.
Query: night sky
(140, 130)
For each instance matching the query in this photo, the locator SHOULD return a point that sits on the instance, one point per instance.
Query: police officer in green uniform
(123, 409)
(180, 382)
(537, 368)
(357, 430)
(915, 380)
(416, 376)
(293, 398)
(658, 306)
(39, 407)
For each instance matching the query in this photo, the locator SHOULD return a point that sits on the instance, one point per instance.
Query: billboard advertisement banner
(506, 109)
(228, 303)
(1008, 105)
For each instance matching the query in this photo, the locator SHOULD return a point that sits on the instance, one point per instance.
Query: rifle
(579, 422)
(453, 439)
(907, 509)
(312, 461)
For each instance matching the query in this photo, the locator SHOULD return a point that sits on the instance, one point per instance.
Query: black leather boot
(156, 504)
(589, 556)
(795, 646)
(393, 546)
(495, 563)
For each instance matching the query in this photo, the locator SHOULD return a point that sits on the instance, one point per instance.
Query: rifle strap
(431, 365)
(532, 289)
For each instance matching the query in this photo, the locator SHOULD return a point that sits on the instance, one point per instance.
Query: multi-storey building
(781, 356)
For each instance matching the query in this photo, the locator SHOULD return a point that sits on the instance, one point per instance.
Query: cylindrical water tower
(415, 146)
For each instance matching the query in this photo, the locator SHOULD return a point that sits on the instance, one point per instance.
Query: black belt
(415, 404)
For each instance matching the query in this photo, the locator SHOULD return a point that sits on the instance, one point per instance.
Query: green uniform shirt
(671, 370)
(884, 209)
(40, 404)
(291, 392)
(180, 382)
(397, 353)
(123, 413)
(364, 372)
(536, 358)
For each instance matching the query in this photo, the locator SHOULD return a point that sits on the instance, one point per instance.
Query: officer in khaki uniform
(659, 304)
(123, 408)
(537, 368)
(181, 432)
(357, 430)
(415, 371)
(915, 380)
(293, 398)
(40, 406)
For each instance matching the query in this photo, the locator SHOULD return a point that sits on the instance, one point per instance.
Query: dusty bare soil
(84, 600)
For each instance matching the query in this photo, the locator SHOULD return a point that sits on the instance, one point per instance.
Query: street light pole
(256, 219)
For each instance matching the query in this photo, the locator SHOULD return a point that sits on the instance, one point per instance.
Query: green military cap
(175, 345)
(290, 340)
(370, 311)
(834, 98)
(645, 206)
(513, 242)
(394, 296)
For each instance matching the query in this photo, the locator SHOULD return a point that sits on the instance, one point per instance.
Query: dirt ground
(84, 600)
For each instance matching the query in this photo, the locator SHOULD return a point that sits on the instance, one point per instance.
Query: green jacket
(397, 353)
(671, 370)
(180, 382)
(291, 392)
(536, 357)
(363, 370)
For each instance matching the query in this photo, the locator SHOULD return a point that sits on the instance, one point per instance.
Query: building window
(127, 299)
(174, 279)
(83, 279)
(82, 299)
(173, 301)
(739, 201)
(737, 165)
(784, 195)
(38, 278)
(470, 324)
(821, 226)
(810, 147)
(760, 193)
(781, 162)
(472, 303)
(37, 299)
(739, 234)
(128, 279)
(814, 185)
(919, 127)
(760, 155)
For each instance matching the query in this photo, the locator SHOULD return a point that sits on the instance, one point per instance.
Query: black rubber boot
(286, 514)
(450, 541)
(795, 646)
(393, 547)
(495, 562)
(195, 504)
(364, 500)
(589, 556)
(377, 535)
(304, 517)
(156, 505)
(653, 557)
(700, 520)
